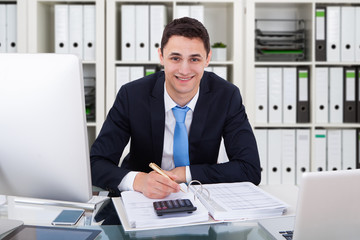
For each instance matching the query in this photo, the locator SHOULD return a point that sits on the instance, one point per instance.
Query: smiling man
(146, 111)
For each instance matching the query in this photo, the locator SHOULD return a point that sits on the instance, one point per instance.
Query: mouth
(184, 78)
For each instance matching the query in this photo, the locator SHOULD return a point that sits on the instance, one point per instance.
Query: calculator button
(170, 204)
(181, 202)
(176, 204)
(187, 202)
(163, 206)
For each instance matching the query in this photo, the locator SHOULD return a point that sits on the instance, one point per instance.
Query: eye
(195, 60)
(175, 58)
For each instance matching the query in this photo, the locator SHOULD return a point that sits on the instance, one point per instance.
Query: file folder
(136, 72)
(302, 153)
(158, 18)
(303, 93)
(322, 94)
(334, 149)
(288, 156)
(221, 71)
(275, 95)
(122, 76)
(349, 95)
(289, 95)
(261, 140)
(333, 33)
(347, 34)
(2, 28)
(319, 162)
(142, 32)
(11, 28)
(357, 34)
(274, 156)
(182, 11)
(89, 32)
(349, 149)
(357, 85)
(76, 30)
(261, 94)
(128, 32)
(336, 95)
(320, 34)
(197, 12)
(61, 28)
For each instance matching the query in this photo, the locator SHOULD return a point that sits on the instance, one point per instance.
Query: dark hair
(186, 27)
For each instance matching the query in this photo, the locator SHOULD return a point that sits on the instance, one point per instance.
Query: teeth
(184, 79)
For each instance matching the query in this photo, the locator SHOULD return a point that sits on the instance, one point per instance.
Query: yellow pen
(157, 169)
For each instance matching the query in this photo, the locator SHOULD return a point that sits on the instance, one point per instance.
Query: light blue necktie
(181, 144)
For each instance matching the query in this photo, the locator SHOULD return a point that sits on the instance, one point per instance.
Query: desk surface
(230, 230)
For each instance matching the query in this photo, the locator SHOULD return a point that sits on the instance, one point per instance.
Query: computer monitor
(44, 149)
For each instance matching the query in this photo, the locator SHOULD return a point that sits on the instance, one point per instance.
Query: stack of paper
(141, 214)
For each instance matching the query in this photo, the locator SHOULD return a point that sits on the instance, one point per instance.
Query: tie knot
(180, 113)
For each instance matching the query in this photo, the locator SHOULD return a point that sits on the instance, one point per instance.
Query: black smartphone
(68, 217)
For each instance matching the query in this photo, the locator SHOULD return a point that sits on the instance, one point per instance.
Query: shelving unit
(41, 40)
(217, 14)
(298, 9)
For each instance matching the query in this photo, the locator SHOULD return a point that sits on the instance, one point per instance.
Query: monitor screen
(44, 149)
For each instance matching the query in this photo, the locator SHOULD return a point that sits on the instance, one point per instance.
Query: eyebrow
(178, 54)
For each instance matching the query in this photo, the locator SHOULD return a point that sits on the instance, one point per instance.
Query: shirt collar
(169, 103)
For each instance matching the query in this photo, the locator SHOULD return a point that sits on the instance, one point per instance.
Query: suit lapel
(158, 118)
(200, 112)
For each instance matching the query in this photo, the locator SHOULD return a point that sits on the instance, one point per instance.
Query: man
(143, 113)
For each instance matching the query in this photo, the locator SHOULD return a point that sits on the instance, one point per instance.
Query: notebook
(328, 208)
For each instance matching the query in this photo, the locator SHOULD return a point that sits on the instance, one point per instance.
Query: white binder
(347, 34)
(197, 12)
(261, 95)
(61, 28)
(89, 32)
(302, 153)
(142, 32)
(357, 34)
(182, 11)
(261, 140)
(76, 30)
(349, 149)
(336, 104)
(288, 156)
(322, 94)
(221, 71)
(333, 33)
(319, 162)
(334, 150)
(275, 95)
(11, 28)
(274, 156)
(158, 18)
(122, 76)
(289, 95)
(127, 32)
(136, 72)
(2, 28)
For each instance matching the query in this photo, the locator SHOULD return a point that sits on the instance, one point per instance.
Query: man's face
(184, 60)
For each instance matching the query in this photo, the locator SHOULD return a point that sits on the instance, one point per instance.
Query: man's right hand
(154, 185)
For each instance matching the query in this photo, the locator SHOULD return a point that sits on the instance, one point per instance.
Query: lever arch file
(349, 95)
(303, 93)
(320, 35)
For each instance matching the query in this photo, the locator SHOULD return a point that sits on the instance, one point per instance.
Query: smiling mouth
(184, 78)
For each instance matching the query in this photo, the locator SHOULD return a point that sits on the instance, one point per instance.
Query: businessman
(146, 113)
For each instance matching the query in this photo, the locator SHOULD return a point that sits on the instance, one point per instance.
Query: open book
(223, 201)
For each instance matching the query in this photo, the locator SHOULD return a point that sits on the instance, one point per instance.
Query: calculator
(173, 206)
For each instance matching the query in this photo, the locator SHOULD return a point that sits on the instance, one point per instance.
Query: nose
(184, 68)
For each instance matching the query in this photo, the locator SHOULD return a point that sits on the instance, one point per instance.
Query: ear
(161, 57)
(208, 58)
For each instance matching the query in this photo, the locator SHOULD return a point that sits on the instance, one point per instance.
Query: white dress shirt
(167, 162)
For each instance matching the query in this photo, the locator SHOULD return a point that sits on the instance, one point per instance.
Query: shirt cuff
(127, 182)
(188, 174)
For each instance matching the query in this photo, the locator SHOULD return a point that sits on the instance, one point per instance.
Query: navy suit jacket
(139, 113)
